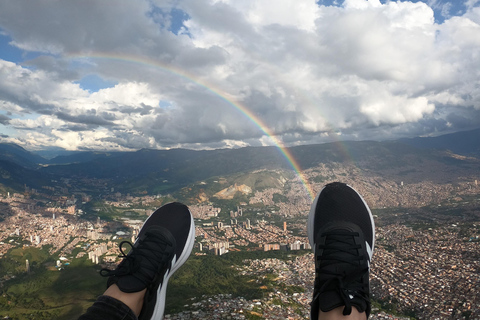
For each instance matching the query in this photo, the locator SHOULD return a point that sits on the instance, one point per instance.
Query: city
(426, 263)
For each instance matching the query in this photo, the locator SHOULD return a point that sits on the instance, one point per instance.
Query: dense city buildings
(426, 263)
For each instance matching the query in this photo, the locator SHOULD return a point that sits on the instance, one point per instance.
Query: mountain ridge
(461, 142)
(169, 170)
(17, 154)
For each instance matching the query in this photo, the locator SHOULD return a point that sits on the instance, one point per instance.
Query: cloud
(58, 27)
(4, 119)
(54, 67)
(23, 90)
(91, 118)
(234, 71)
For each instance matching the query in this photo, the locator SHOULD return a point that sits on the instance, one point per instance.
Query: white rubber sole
(159, 310)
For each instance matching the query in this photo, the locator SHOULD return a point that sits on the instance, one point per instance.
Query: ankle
(132, 300)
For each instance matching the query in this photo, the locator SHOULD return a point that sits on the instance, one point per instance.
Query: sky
(202, 74)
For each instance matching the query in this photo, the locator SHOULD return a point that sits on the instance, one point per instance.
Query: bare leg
(133, 300)
(337, 314)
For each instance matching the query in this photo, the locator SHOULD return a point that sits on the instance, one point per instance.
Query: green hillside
(46, 293)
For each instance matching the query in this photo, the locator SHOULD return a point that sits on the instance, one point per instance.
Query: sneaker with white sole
(164, 243)
(341, 232)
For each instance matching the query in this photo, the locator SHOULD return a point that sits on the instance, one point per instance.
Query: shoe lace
(340, 247)
(152, 254)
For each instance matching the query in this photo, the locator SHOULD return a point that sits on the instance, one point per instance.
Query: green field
(46, 293)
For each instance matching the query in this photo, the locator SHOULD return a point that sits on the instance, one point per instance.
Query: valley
(252, 259)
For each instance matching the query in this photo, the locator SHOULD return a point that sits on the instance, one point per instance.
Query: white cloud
(385, 108)
(299, 14)
(80, 140)
(129, 94)
(362, 4)
(304, 70)
(471, 4)
(41, 123)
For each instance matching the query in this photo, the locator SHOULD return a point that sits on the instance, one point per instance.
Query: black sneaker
(341, 232)
(164, 243)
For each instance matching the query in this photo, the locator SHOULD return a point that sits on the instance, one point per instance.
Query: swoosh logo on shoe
(369, 251)
(167, 272)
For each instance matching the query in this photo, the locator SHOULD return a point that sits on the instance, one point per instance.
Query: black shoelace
(340, 247)
(152, 256)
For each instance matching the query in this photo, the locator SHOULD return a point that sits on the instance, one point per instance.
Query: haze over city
(123, 75)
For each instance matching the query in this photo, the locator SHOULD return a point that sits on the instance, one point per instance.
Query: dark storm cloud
(91, 118)
(141, 110)
(76, 128)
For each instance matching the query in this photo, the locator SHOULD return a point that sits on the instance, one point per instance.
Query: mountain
(148, 168)
(79, 157)
(464, 142)
(173, 169)
(158, 171)
(15, 177)
(52, 152)
(16, 154)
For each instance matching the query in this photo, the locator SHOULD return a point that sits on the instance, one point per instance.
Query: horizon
(57, 151)
(216, 75)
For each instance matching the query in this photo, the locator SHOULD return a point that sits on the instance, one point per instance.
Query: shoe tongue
(129, 283)
(331, 298)
(143, 265)
(340, 248)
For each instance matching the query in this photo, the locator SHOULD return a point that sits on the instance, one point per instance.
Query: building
(269, 247)
(71, 209)
(295, 246)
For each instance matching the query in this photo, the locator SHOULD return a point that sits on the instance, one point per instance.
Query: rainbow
(209, 88)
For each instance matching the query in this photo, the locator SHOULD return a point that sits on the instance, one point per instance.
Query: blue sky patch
(171, 19)
(178, 17)
(94, 83)
(11, 53)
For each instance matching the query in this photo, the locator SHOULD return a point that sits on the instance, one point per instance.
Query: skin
(133, 300)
